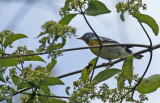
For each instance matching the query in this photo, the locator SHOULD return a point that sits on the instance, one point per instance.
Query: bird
(108, 53)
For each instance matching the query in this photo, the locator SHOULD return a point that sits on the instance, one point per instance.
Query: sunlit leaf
(122, 16)
(66, 19)
(8, 62)
(149, 21)
(51, 65)
(1, 76)
(1, 86)
(1, 51)
(55, 100)
(67, 90)
(24, 85)
(121, 81)
(63, 41)
(42, 33)
(51, 81)
(106, 74)
(8, 99)
(15, 79)
(149, 85)
(33, 58)
(11, 92)
(66, 5)
(45, 89)
(87, 70)
(13, 38)
(128, 68)
(96, 8)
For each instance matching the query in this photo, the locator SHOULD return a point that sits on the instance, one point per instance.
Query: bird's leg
(110, 62)
(121, 57)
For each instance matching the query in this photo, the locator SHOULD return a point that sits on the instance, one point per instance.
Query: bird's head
(87, 37)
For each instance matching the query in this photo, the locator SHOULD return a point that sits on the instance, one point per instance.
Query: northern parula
(108, 53)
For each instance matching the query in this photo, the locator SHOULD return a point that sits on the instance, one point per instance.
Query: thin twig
(18, 68)
(146, 33)
(113, 62)
(100, 43)
(48, 95)
(150, 59)
(72, 49)
(17, 93)
(149, 62)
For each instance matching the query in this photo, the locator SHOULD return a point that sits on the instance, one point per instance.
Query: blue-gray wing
(107, 40)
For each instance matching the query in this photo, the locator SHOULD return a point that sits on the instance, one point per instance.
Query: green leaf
(1, 51)
(149, 84)
(63, 41)
(1, 86)
(51, 65)
(122, 16)
(132, 1)
(87, 70)
(42, 33)
(96, 8)
(8, 99)
(54, 100)
(45, 89)
(11, 92)
(1, 74)
(15, 79)
(33, 58)
(66, 5)
(149, 21)
(1, 77)
(51, 81)
(66, 19)
(8, 62)
(67, 90)
(104, 75)
(13, 38)
(121, 81)
(128, 68)
(24, 85)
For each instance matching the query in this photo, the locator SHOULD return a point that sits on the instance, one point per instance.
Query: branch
(149, 62)
(48, 95)
(114, 62)
(100, 43)
(17, 93)
(98, 66)
(72, 49)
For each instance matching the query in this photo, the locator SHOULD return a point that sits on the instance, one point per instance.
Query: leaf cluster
(54, 37)
(36, 78)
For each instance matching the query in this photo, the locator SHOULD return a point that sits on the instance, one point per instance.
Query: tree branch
(98, 66)
(100, 43)
(149, 62)
(114, 62)
(48, 95)
(72, 49)
(17, 93)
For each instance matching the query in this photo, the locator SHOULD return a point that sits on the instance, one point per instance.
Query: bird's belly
(110, 52)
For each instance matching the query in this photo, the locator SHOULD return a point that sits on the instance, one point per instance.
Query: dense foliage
(53, 38)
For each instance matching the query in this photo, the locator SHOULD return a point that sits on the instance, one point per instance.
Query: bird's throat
(93, 43)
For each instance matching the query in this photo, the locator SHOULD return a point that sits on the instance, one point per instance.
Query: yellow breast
(93, 43)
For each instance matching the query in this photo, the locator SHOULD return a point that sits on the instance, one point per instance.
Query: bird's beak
(80, 38)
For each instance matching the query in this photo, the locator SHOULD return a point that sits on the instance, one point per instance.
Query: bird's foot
(121, 58)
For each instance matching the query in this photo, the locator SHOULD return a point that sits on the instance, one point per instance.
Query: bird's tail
(138, 56)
